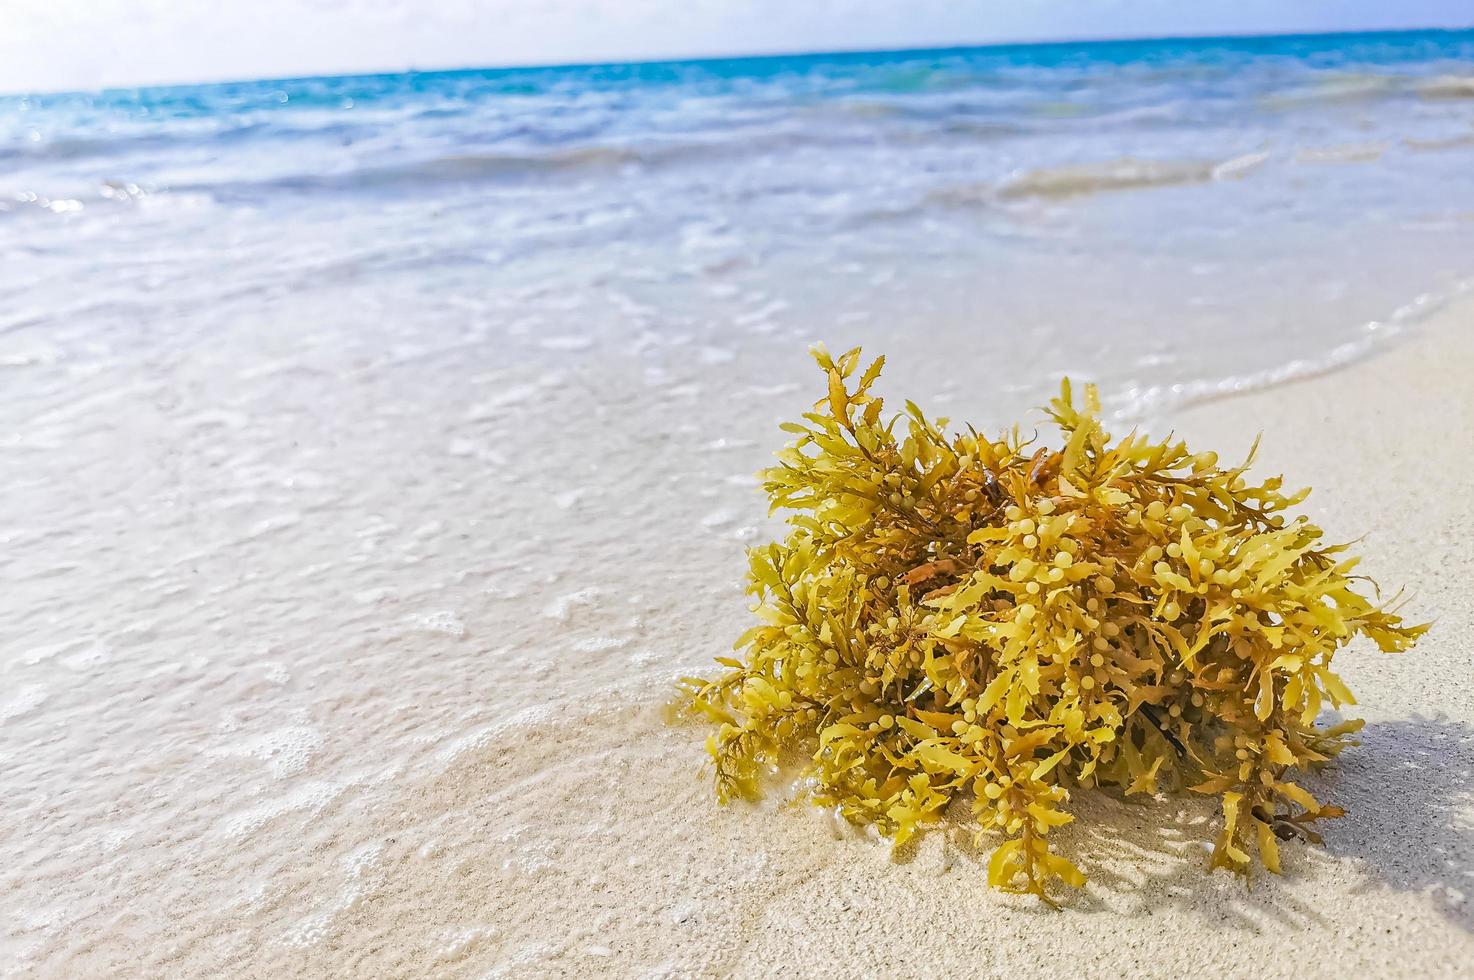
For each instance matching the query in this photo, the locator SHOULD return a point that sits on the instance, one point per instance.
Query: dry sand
(579, 838)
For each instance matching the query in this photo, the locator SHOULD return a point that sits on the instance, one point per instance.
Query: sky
(79, 44)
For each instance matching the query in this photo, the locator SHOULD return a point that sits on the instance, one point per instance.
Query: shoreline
(1405, 325)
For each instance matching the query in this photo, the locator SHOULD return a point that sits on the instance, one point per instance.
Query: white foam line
(1147, 406)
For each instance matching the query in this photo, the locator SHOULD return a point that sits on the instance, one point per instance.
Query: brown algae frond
(956, 615)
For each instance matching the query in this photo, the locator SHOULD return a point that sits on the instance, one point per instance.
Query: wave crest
(1447, 87)
(1126, 173)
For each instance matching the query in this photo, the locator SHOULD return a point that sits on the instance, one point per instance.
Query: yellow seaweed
(963, 616)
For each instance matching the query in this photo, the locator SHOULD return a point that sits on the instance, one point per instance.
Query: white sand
(392, 764)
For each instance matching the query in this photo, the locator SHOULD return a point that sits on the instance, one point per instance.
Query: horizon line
(710, 57)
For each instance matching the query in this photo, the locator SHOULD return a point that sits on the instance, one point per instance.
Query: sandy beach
(568, 836)
(595, 849)
(379, 450)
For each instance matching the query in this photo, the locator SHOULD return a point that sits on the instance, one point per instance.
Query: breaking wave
(1126, 173)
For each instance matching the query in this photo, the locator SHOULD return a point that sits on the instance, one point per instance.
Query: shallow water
(351, 423)
(1167, 217)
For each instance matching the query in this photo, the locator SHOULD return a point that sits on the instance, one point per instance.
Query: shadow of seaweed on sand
(1409, 790)
(1140, 855)
(1163, 863)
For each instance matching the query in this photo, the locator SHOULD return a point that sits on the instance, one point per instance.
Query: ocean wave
(933, 120)
(462, 168)
(1167, 113)
(119, 145)
(82, 147)
(1446, 87)
(36, 204)
(991, 120)
(1368, 87)
(950, 117)
(863, 109)
(1339, 89)
(496, 166)
(974, 129)
(1432, 144)
(476, 166)
(974, 194)
(1342, 153)
(1236, 167)
(493, 165)
(1081, 180)
(1126, 173)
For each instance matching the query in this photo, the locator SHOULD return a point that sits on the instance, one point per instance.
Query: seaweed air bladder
(1011, 623)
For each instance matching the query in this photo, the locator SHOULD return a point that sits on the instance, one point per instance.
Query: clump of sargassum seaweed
(958, 615)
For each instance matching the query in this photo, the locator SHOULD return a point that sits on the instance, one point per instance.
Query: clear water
(1169, 217)
(348, 427)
